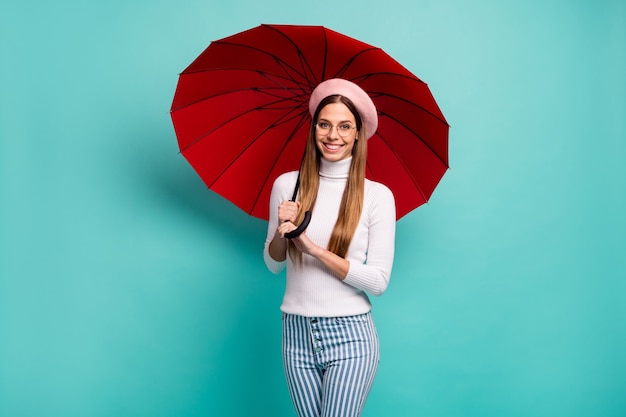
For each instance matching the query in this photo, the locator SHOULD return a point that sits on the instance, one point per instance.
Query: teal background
(128, 289)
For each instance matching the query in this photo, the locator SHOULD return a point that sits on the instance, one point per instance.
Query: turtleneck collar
(337, 169)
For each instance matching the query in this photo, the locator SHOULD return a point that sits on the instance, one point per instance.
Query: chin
(334, 157)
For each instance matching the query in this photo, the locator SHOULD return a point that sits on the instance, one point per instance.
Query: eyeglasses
(343, 130)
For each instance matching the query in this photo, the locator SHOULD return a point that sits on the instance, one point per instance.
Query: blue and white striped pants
(330, 363)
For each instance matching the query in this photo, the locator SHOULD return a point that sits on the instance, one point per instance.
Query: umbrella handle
(298, 231)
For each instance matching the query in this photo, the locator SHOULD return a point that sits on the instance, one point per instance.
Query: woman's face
(335, 132)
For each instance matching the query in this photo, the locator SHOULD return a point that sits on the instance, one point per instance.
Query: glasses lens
(343, 130)
(322, 128)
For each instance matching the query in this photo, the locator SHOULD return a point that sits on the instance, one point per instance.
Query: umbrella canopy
(240, 113)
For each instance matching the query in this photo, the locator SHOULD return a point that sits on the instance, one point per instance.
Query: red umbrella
(240, 112)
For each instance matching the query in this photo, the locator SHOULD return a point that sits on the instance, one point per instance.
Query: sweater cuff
(365, 278)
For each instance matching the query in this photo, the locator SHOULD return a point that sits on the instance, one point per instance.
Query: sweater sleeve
(278, 195)
(373, 275)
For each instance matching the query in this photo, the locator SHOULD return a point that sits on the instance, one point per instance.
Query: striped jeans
(330, 363)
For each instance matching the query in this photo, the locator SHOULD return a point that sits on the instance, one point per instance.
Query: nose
(333, 133)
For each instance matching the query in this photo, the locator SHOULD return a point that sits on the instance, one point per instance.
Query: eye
(345, 127)
(323, 125)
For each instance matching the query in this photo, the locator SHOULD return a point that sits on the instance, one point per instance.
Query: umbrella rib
(253, 109)
(375, 94)
(276, 58)
(287, 68)
(272, 77)
(348, 64)
(325, 55)
(306, 66)
(301, 57)
(300, 123)
(278, 121)
(401, 161)
(416, 135)
(417, 187)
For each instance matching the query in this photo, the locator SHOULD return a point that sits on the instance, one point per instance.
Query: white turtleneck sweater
(312, 290)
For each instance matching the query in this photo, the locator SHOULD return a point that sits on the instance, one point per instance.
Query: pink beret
(362, 102)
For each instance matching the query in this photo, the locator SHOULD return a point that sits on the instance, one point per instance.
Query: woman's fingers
(304, 244)
(287, 211)
(286, 227)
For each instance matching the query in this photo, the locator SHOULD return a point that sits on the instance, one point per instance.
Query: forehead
(336, 112)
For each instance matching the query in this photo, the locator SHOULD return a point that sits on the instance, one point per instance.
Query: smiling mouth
(332, 146)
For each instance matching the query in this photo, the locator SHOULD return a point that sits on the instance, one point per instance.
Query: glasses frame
(336, 127)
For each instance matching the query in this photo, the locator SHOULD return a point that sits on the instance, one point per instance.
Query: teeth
(333, 147)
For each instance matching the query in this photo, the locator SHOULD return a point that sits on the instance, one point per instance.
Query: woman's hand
(288, 211)
(284, 228)
(306, 245)
(337, 264)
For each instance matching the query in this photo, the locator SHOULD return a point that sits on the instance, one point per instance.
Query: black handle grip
(298, 231)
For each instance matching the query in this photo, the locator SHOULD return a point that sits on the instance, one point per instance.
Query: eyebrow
(343, 121)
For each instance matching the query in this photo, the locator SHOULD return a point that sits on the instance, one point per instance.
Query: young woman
(330, 345)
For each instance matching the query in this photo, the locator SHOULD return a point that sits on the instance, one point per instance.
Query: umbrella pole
(307, 215)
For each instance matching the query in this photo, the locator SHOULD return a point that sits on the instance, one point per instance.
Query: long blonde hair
(352, 200)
